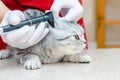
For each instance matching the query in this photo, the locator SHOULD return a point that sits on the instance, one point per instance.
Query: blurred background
(102, 22)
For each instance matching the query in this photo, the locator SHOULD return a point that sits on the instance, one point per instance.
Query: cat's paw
(30, 61)
(4, 53)
(77, 58)
(85, 59)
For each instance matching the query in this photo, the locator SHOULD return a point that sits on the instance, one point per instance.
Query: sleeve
(2, 44)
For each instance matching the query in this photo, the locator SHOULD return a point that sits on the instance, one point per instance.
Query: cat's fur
(65, 42)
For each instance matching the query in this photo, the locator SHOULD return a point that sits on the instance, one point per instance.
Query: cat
(65, 42)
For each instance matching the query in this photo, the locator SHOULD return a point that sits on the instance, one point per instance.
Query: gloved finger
(45, 32)
(73, 15)
(27, 44)
(37, 33)
(16, 34)
(16, 17)
(56, 8)
(5, 19)
(22, 46)
(29, 34)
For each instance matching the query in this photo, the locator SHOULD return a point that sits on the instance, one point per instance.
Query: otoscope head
(50, 18)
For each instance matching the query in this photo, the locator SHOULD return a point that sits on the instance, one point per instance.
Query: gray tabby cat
(65, 42)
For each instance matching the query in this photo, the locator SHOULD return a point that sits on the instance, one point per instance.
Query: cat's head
(69, 35)
(66, 29)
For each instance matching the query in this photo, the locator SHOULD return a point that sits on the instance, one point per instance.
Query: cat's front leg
(78, 58)
(30, 61)
(4, 53)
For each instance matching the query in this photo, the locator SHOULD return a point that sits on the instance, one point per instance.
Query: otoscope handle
(35, 20)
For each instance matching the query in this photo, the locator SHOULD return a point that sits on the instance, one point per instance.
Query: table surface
(105, 66)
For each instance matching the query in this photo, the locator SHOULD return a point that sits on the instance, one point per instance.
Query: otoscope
(48, 16)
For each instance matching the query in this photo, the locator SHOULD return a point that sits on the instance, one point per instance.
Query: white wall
(113, 13)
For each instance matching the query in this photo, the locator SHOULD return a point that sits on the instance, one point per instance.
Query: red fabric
(2, 44)
(37, 4)
(24, 4)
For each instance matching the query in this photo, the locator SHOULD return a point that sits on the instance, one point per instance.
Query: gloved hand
(71, 9)
(24, 37)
